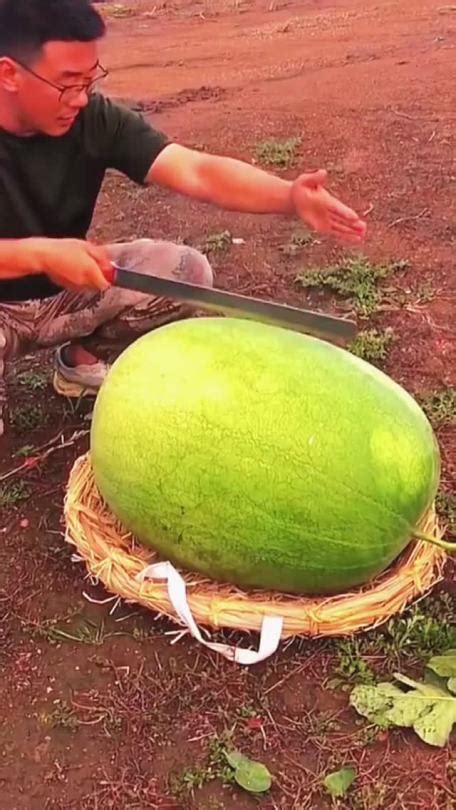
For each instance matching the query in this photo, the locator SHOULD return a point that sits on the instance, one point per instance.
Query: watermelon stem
(436, 541)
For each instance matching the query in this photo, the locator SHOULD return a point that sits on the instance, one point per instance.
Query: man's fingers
(88, 274)
(75, 263)
(338, 209)
(337, 229)
(97, 278)
(100, 254)
(334, 221)
(346, 233)
(343, 215)
(355, 223)
(349, 221)
(101, 266)
(356, 228)
(332, 204)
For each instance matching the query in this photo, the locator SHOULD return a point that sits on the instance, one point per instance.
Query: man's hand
(71, 263)
(323, 212)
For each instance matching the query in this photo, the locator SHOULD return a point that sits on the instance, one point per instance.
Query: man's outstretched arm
(237, 186)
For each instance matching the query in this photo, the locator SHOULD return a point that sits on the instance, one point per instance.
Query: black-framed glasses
(69, 92)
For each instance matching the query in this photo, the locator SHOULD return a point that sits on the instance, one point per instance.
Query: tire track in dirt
(174, 100)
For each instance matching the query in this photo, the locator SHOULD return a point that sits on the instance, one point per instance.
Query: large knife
(327, 327)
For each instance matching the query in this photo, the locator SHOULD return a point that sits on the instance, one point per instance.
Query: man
(57, 139)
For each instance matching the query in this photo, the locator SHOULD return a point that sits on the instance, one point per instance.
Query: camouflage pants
(92, 317)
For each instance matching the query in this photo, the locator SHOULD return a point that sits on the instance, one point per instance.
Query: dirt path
(108, 720)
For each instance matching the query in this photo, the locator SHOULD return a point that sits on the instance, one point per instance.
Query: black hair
(27, 25)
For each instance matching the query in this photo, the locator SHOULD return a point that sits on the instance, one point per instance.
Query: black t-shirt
(49, 186)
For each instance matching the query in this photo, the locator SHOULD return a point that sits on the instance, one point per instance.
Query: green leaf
(249, 775)
(374, 702)
(430, 710)
(433, 679)
(452, 685)
(235, 758)
(444, 665)
(338, 783)
(253, 776)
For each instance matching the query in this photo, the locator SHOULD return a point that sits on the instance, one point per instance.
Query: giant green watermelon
(262, 457)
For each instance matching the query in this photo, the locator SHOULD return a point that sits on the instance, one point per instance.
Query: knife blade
(326, 327)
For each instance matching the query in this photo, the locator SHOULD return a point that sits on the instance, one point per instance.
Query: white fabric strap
(271, 628)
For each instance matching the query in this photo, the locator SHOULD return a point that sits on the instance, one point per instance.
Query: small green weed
(62, 716)
(188, 780)
(218, 747)
(24, 451)
(217, 242)
(212, 804)
(86, 632)
(428, 629)
(424, 293)
(446, 508)
(320, 724)
(28, 417)
(364, 736)
(247, 711)
(371, 797)
(74, 407)
(33, 380)
(299, 240)
(410, 298)
(280, 154)
(142, 633)
(373, 345)
(425, 630)
(13, 493)
(351, 665)
(356, 280)
(215, 767)
(440, 406)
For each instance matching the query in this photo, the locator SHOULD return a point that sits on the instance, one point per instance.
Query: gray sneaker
(77, 381)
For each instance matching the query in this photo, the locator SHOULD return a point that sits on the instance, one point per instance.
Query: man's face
(40, 107)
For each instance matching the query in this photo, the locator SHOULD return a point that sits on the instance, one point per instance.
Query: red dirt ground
(123, 721)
